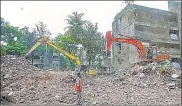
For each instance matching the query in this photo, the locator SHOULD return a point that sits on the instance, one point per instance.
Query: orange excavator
(140, 48)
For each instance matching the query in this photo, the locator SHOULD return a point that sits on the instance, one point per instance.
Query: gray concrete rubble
(25, 84)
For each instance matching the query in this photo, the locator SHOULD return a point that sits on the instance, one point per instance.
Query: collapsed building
(153, 27)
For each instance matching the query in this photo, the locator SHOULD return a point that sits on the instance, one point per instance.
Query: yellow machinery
(46, 40)
(76, 60)
(92, 72)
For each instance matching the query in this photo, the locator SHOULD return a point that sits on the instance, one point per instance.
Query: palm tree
(75, 24)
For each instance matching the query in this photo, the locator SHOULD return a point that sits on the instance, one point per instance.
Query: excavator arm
(134, 42)
(45, 39)
(76, 60)
(35, 46)
(128, 40)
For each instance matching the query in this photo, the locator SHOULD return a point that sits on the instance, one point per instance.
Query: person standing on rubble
(78, 88)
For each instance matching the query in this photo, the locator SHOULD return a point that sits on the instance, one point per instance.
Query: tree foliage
(82, 32)
(78, 32)
(27, 35)
(42, 29)
(19, 41)
(9, 34)
(75, 26)
(67, 43)
(3, 51)
(93, 42)
(15, 48)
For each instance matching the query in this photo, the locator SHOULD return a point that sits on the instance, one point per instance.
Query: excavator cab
(154, 54)
(161, 56)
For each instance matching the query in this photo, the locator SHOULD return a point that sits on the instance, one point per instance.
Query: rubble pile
(127, 89)
(45, 88)
(13, 68)
(25, 84)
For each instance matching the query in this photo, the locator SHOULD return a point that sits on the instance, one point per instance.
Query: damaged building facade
(153, 27)
(176, 7)
(49, 61)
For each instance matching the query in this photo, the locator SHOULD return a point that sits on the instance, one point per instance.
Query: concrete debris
(141, 75)
(94, 103)
(25, 84)
(171, 85)
(175, 76)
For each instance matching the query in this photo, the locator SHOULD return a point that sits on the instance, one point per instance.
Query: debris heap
(13, 69)
(25, 84)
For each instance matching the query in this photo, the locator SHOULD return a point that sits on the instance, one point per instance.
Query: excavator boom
(128, 40)
(140, 48)
(134, 42)
(45, 39)
(76, 60)
(34, 47)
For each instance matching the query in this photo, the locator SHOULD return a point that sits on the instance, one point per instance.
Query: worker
(78, 88)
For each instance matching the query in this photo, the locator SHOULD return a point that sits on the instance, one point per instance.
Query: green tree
(63, 62)
(75, 26)
(67, 43)
(82, 32)
(27, 35)
(15, 48)
(3, 50)
(38, 31)
(42, 30)
(93, 42)
(10, 34)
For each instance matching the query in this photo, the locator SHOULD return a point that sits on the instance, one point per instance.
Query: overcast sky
(54, 13)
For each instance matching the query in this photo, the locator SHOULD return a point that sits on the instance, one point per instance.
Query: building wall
(148, 25)
(51, 61)
(123, 25)
(176, 8)
(55, 63)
